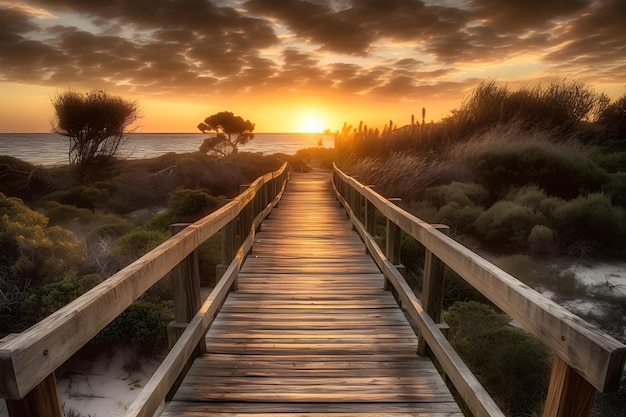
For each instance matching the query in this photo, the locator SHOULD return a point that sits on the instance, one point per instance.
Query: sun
(311, 124)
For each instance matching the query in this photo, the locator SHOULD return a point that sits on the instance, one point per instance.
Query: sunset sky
(297, 65)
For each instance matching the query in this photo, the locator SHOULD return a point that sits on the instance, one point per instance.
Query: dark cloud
(595, 44)
(318, 23)
(195, 47)
(513, 16)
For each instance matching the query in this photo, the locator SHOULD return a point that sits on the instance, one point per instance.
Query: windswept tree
(96, 124)
(231, 131)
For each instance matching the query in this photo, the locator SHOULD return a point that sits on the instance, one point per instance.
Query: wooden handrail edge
(153, 393)
(473, 393)
(29, 357)
(596, 356)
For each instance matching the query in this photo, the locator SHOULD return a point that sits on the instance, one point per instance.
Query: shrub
(472, 319)
(35, 251)
(507, 224)
(592, 219)
(133, 245)
(562, 170)
(541, 238)
(185, 206)
(48, 298)
(535, 198)
(612, 119)
(560, 105)
(615, 188)
(143, 322)
(80, 196)
(464, 194)
(67, 214)
(516, 371)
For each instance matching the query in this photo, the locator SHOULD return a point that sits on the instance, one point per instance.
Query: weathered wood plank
(310, 328)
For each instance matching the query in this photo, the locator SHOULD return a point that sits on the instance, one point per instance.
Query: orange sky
(298, 65)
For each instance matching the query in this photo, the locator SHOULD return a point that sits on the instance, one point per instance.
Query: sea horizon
(52, 148)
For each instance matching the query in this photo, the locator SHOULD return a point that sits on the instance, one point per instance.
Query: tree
(96, 124)
(232, 131)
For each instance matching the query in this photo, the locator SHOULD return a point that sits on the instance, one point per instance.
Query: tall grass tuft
(401, 175)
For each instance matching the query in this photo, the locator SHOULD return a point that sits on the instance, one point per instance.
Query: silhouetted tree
(232, 131)
(96, 124)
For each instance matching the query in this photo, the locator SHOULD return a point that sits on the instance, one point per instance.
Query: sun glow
(312, 124)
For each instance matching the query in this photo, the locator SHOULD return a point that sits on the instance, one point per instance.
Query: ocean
(51, 148)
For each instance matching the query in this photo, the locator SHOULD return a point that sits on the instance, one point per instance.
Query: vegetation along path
(310, 328)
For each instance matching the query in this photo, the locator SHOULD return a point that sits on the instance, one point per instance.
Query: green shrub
(541, 238)
(134, 245)
(67, 214)
(471, 319)
(516, 369)
(143, 322)
(457, 216)
(80, 196)
(34, 251)
(592, 219)
(48, 298)
(562, 170)
(185, 206)
(507, 225)
(464, 194)
(116, 227)
(615, 188)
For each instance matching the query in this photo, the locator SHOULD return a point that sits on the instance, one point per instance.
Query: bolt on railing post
(433, 288)
(41, 401)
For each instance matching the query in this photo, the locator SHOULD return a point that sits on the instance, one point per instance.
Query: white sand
(105, 386)
(602, 277)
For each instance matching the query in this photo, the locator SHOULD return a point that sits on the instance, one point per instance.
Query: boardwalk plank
(310, 329)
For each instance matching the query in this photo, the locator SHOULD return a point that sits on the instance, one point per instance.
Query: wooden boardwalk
(311, 329)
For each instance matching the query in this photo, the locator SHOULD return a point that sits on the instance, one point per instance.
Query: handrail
(595, 356)
(28, 358)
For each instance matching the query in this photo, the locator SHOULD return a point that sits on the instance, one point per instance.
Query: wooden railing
(585, 359)
(28, 360)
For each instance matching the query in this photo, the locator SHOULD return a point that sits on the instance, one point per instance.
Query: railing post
(185, 279)
(393, 243)
(370, 216)
(393, 238)
(433, 286)
(41, 401)
(569, 394)
(186, 284)
(229, 238)
(245, 217)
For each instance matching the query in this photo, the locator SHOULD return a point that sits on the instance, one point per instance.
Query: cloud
(197, 48)
(594, 45)
(317, 23)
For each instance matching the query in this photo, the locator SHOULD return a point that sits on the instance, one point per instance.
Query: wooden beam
(41, 401)
(23, 364)
(569, 394)
(598, 357)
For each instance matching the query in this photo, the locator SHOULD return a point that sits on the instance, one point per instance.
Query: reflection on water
(51, 149)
